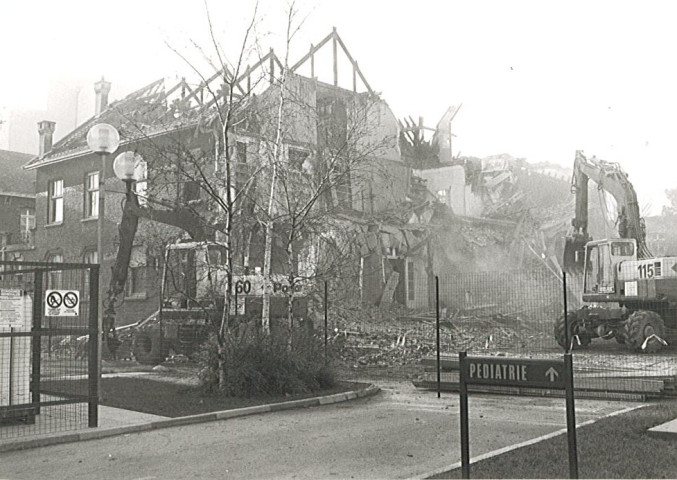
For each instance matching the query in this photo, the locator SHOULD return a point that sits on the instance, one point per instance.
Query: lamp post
(125, 167)
(102, 139)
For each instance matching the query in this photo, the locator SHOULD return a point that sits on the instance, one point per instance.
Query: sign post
(465, 438)
(516, 372)
(571, 415)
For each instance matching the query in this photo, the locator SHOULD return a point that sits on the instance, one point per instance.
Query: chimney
(46, 131)
(102, 89)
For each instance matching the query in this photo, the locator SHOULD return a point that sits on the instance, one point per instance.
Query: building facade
(17, 207)
(172, 129)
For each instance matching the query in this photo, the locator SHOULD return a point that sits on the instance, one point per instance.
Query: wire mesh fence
(48, 366)
(512, 314)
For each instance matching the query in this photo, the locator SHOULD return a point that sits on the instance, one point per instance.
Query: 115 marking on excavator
(518, 372)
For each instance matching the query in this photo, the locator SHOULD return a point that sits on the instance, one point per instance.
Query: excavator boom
(609, 177)
(131, 212)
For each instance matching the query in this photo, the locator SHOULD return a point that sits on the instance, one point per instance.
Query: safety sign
(15, 308)
(62, 303)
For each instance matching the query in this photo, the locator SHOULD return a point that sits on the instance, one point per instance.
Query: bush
(258, 365)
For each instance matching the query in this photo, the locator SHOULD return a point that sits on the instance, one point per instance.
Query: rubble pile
(496, 332)
(382, 349)
(399, 338)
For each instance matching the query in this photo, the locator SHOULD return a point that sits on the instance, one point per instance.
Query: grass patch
(170, 399)
(614, 447)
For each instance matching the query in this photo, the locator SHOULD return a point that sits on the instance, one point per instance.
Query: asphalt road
(399, 433)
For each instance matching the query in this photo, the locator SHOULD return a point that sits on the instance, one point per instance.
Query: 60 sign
(243, 287)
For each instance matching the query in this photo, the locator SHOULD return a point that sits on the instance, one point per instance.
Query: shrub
(266, 365)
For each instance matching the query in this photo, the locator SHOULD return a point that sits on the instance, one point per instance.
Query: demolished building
(463, 214)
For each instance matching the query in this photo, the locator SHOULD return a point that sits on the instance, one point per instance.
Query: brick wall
(77, 235)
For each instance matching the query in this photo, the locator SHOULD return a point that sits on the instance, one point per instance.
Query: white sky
(537, 79)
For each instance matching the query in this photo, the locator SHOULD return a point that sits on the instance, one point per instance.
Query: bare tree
(199, 181)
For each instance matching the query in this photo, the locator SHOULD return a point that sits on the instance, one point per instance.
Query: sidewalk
(116, 421)
(668, 429)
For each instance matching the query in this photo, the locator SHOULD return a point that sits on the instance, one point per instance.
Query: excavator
(192, 290)
(629, 295)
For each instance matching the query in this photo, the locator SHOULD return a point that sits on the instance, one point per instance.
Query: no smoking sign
(62, 303)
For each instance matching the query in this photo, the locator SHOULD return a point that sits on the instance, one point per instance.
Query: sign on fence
(15, 308)
(62, 303)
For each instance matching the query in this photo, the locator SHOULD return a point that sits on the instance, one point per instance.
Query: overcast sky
(537, 79)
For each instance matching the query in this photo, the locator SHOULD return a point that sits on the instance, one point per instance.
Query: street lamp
(125, 167)
(102, 139)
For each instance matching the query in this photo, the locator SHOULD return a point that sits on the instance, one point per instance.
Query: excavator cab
(601, 259)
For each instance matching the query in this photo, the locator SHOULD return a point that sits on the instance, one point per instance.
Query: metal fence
(48, 366)
(489, 314)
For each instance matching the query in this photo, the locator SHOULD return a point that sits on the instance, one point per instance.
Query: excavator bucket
(574, 253)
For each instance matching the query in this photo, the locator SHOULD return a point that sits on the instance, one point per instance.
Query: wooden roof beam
(313, 51)
(356, 69)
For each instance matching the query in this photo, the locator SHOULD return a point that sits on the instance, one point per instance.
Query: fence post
(38, 294)
(571, 415)
(567, 340)
(437, 328)
(94, 367)
(465, 430)
(326, 295)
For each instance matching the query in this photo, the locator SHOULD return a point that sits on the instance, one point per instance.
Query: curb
(191, 419)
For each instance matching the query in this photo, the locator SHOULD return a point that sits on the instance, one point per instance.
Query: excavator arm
(609, 177)
(131, 212)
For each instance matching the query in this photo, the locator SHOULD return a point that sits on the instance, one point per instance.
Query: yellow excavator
(629, 295)
(193, 287)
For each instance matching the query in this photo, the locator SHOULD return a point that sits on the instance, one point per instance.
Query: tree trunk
(267, 254)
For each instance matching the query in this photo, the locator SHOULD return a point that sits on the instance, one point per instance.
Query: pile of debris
(357, 349)
(495, 333)
(397, 338)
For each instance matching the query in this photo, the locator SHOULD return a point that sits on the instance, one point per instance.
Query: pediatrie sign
(517, 372)
(62, 303)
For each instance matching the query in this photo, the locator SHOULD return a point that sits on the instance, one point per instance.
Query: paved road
(399, 433)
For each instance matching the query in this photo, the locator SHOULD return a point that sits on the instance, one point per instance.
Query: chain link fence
(507, 313)
(48, 367)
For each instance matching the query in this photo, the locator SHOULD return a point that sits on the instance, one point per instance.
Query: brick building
(170, 125)
(17, 207)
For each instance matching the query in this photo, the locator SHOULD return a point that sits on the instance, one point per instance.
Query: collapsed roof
(161, 107)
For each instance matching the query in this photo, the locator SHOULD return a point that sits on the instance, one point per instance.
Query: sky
(537, 79)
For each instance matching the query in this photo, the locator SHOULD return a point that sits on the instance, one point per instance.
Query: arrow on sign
(674, 267)
(552, 374)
